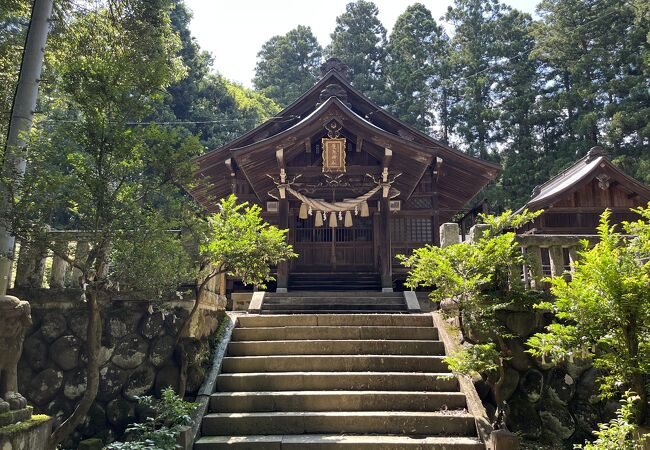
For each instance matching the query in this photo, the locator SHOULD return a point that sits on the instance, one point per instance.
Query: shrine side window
(411, 229)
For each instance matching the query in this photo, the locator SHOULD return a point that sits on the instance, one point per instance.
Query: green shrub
(160, 430)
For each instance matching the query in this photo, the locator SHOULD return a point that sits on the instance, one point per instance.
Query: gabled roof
(461, 177)
(584, 170)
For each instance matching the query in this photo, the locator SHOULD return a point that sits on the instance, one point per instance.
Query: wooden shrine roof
(594, 164)
(460, 176)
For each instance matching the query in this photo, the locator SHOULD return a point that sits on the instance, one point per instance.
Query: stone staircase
(350, 302)
(338, 281)
(337, 381)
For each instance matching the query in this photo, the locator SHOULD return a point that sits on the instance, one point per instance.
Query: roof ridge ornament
(336, 65)
(334, 90)
(595, 152)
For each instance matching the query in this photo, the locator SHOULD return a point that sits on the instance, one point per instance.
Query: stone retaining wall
(137, 356)
(554, 404)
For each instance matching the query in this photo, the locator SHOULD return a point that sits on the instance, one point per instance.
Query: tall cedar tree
(288, 65)
(596, 68)
(413, 57)
(475, 48)
(359, 40)
(519, 83)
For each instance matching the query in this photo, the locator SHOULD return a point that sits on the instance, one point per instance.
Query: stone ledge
(29, 435)
(15, 416)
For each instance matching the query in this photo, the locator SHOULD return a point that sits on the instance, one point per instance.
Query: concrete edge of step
(474, 404)
(210, 382)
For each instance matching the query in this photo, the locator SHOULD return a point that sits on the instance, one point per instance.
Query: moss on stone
(10, 430)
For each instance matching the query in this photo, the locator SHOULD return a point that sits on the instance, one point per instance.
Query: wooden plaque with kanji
(333, 154)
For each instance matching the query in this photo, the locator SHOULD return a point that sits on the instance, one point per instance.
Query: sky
(235, 30)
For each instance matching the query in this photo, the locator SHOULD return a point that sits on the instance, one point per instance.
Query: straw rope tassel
(364, 209)
(303, 211)
(348, 219)
(333, 220)
(319, 219)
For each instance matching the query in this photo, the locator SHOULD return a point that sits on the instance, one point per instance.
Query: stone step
(339, 307)
(326, 310)
(336, 347)
(291, 300)
(334, 363)
(334, 332)
(336, 442)
(329, 381)
(278, 320)
(329, 294)
(366, 422)
(285, 401)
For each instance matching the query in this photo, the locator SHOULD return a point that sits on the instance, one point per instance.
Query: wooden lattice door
(325, 249)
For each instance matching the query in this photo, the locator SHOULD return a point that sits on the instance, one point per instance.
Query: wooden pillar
(435, 207)
(385, 260)
(283, 223)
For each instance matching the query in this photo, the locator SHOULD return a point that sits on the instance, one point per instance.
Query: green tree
(14, 17)
(480, 278)
(90, 169)
(620, 433)
(474, 49)
(603, 312)
(519, 116)
(359, 40)
(596, 72)
(204, 103)
(288, 65)
(414, 54)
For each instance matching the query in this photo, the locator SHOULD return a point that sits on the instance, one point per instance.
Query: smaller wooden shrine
(574, 200)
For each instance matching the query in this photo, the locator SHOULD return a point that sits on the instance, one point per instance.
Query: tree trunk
(20, 124)
(93, 342)
(180, 348)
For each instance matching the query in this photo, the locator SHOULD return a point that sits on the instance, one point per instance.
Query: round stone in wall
(522, 418)
(130, 352)
(153, 325)
(166, 377)
(111, 380)
(531, 384)
(561, 386)
(139, 382)
(78, 324)
(120, 413)
(74, 385)
(95, 421)
(53, 326)
(35, 351)
(162, 350)
(65, 352)
(45, 385)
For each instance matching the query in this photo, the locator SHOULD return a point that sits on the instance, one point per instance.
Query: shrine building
(574, 199)
(354, 185)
